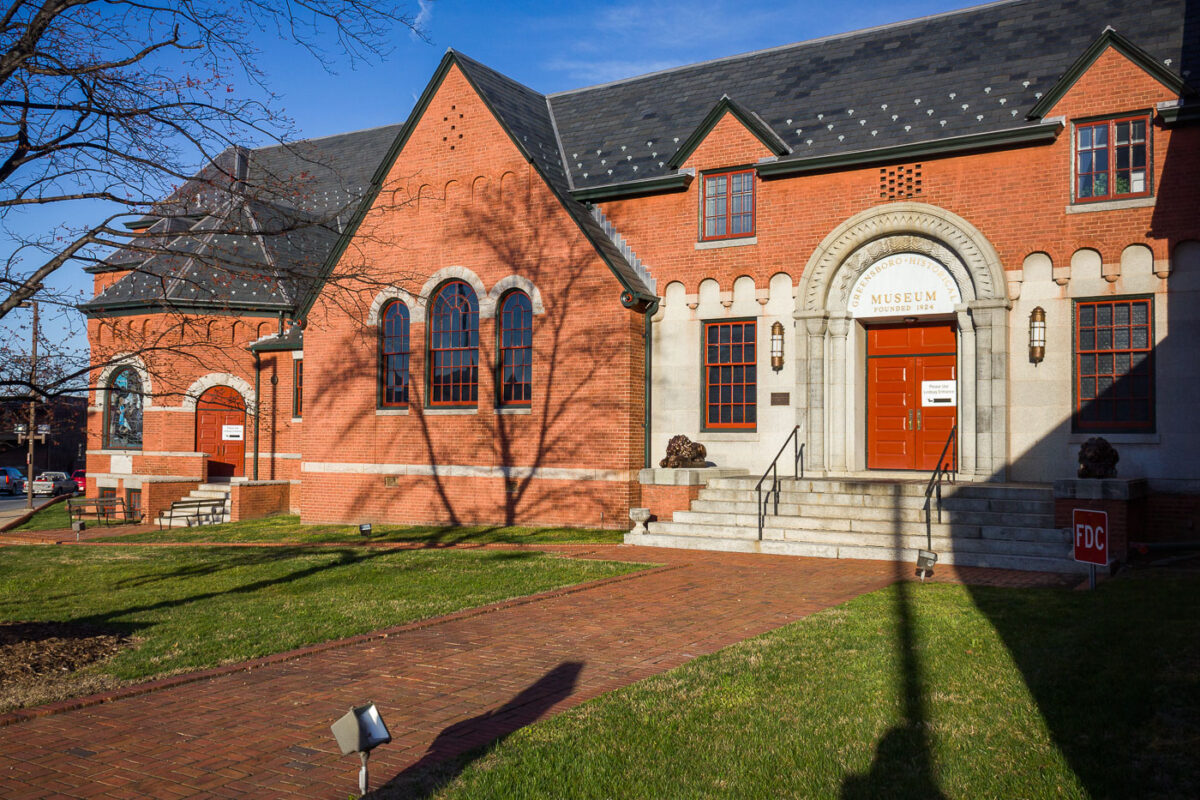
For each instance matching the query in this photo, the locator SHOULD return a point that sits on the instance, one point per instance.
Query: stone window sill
(1110, 205)
(721, 243)
(391, 412)
(449, 412)
(1117, 438)
(516, 411)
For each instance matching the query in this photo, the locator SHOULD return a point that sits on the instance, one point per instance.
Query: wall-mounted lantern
(1037, 335)
(361, 730)
(777, 346)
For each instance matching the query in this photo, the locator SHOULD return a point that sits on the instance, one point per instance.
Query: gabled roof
(963, 73)
(1109, 38)
(752, 122)
(525, 117)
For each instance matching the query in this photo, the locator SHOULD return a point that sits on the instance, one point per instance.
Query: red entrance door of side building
(221, 431)
(911, 375)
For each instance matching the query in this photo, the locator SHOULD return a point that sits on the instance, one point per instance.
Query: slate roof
(255, 248)
(978, 70)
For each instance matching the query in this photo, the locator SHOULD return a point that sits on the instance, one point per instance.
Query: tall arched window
(516, 350)
(123, 411)
(454, 346)
(393, 355)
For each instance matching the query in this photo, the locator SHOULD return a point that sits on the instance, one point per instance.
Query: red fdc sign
(1090, 531)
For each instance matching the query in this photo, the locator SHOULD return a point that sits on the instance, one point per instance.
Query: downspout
(648, 379)
(257, 407)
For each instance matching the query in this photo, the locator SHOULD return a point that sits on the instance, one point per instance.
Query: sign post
(1089, 530)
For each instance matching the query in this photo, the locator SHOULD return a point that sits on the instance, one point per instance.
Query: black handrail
(773, 471)
(935, 482)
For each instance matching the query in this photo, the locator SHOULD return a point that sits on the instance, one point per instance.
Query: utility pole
(32, 409)
(28, 433)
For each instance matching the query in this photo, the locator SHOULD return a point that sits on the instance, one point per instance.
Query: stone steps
(808, 549)
(982, 524)
(210, 516)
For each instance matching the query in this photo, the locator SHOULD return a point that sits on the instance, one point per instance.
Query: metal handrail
(773, 471)
(935, 482)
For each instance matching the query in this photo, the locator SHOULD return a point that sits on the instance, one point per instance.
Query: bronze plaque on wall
(781, 398)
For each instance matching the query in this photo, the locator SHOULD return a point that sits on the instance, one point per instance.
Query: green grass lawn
(49, 519)
(199, 607)
(918, 691)
(288, 529)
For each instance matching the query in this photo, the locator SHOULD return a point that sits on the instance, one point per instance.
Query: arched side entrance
(221, 431)
(832, 334)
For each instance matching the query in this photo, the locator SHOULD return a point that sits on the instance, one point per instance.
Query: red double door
(221, 431)
(912, 394)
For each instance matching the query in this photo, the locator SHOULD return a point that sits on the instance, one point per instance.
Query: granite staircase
(1008, 526)
(207, 505)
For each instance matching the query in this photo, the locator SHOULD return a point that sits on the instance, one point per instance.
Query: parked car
(53, 484)
(80, 478)
(12, 480)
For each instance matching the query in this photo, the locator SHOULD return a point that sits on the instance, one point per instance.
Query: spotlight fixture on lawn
(360, 731)
(925, 561)
(365, 529)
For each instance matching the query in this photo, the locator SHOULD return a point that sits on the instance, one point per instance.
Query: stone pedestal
(1123, 499)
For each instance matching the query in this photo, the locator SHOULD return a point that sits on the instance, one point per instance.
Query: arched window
(393, 355)
(516, 350)
(454, 346)
(123, 411)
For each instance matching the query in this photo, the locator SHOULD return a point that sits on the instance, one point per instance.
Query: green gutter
(675, 181)
(1029, 135)
(230, 308)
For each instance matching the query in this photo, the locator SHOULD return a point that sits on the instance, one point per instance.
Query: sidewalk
(442, 688)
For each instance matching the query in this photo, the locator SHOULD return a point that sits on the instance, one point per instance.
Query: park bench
(102, 509)
(193, 512)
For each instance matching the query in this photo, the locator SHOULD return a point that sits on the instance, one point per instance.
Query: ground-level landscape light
(365, 529)
(360, 731)
(925, 561)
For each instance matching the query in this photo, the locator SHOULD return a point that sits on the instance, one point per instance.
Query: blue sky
(549, 46)
(552, 46)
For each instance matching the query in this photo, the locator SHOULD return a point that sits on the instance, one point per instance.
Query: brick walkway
(442, 688)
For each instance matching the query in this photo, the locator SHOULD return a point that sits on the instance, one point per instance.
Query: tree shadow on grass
(903, 762)
(463, 743)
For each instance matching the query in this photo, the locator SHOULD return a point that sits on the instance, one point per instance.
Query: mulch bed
(39, 661)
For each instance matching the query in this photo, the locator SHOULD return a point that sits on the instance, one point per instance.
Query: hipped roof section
(250, 232)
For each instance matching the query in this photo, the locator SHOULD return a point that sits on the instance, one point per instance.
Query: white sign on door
(939, 393)
(232, 433)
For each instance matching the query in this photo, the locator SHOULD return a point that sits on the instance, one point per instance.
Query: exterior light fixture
(361, 730)
(925, 561)
(1037, 335)
(777, 346)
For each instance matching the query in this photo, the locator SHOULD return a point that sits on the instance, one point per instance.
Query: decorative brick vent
(453, 135)
(899, 182)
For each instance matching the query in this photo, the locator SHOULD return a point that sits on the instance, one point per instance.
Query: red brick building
(980, 222)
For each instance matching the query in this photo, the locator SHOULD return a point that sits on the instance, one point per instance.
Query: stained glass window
(123, 423)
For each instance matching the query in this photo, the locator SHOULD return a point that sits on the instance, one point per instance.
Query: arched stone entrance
(830, 353)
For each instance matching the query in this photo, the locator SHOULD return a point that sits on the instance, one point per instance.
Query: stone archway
(826, 368)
